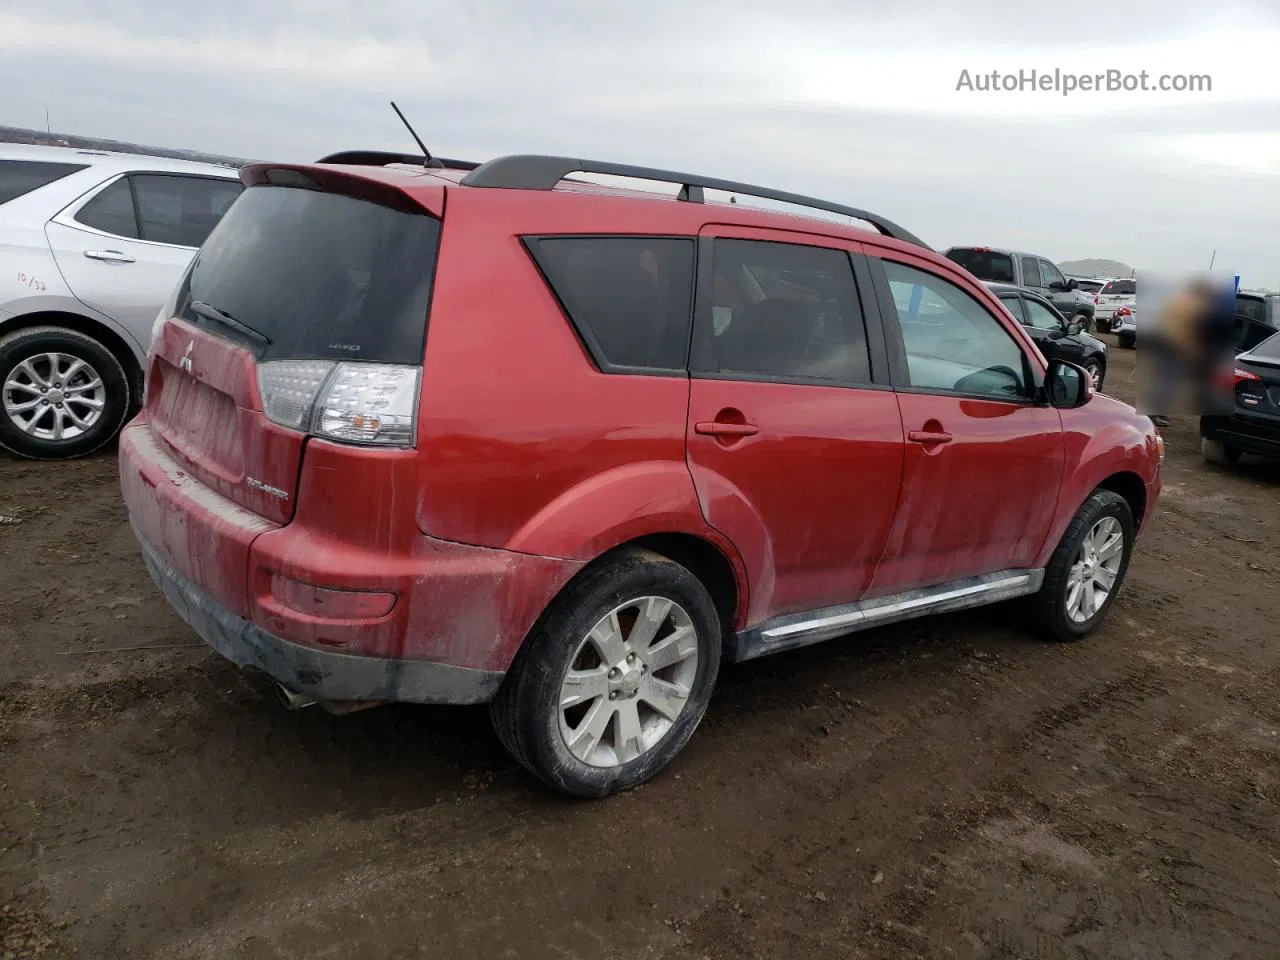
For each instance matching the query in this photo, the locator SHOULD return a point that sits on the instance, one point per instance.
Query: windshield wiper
(210, 312)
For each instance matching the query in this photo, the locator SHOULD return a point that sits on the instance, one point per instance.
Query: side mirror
(1073, 284)
(1073, 329)
(1067, 386)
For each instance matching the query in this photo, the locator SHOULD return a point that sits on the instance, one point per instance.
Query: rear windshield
(315, 275)
(1269, 349)
(1255, 308)
(984, 264)
(1121, 288)
(1089, 286)
(22, 176)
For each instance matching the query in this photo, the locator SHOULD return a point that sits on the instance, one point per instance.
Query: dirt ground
(948, 788)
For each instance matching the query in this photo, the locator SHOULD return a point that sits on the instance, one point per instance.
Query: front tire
(1126, 340)
(615, 677)
(1097, 371)
(1085, 321)
(62, 394)
(1087, 569)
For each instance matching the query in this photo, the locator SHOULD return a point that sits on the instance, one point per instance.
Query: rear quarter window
(629, 298)
(20, 177)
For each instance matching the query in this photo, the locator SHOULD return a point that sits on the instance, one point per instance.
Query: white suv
(91, 245)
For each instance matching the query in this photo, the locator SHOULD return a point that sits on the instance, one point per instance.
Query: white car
(1122, 292)
(91, 246)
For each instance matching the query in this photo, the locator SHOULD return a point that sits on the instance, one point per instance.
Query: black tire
(1098, 370)
(1219, 454)
(1085, 321)
(526, 712)
(1049, 606)
(32, 345)
(1126, 340)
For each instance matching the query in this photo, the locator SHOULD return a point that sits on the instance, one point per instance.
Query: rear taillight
(1124, 312)
(1095, 298)
(373, 403)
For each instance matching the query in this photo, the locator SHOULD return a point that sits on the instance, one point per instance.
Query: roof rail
(533, 172)
(381, 158)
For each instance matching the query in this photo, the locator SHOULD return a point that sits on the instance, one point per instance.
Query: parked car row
(1031, 272)
(425, 431)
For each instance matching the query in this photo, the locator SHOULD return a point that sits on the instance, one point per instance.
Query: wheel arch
(722, 575)
(1129, 485)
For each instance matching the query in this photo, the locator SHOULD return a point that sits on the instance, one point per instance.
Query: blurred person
(1190, 341)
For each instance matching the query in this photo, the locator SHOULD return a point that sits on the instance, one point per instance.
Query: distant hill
(21, 135)
(1096, 268)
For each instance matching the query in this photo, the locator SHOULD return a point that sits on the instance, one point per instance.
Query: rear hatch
(304, 313)
(1117, 293)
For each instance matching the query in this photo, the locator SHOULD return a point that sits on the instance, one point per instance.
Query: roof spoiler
(382, 158)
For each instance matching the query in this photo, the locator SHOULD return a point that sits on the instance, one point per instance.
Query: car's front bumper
(316, 673)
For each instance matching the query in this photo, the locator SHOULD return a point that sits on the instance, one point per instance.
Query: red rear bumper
(326, 612)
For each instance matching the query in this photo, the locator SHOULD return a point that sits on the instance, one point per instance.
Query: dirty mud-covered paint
(202, 400)
(201, 532)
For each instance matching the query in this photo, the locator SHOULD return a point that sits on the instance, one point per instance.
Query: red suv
(455, 434)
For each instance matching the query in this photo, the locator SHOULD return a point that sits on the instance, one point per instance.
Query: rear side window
(111, 211)
(182, 210)
(18, 177)
(984, 264)
(1031, 272)
(630, 298)
(316, 276)
(782, 311)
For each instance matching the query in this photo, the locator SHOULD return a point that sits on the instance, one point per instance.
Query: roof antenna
(428, 160)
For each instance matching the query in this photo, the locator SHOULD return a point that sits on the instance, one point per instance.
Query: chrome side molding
(802, 629)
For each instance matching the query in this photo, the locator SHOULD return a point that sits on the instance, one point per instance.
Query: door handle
(110, 256)
(929, 436)
(715, 428)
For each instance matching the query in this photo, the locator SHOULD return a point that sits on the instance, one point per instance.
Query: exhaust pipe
(292, 700)
(298, 701)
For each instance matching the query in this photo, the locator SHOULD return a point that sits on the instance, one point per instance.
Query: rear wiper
(213, 313)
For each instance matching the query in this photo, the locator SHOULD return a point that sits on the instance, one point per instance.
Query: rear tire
(1087, 569)
(591, 651)
(1126, 340)
(1219, 454)
(1085, 321)
(62, 394)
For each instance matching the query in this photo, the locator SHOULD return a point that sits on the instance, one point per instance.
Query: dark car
(1057, 338)
(1257, 318)
(1031, 272)
(1254, 427)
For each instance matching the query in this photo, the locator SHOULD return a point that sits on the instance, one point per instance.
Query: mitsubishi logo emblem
(185, 362)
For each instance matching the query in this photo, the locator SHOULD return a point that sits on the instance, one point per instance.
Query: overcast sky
(854, 100)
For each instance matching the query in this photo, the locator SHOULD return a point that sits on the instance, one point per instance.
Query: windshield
(299, 274)
(984, 264)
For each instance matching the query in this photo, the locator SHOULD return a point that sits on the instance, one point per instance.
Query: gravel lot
(947, 788)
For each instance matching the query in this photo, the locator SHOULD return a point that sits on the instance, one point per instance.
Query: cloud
(852, 99)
